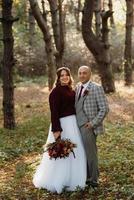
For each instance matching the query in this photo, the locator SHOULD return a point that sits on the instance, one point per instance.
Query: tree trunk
(106, 74)
(55, 21)
(58, 29)
(44, 13)
(97, 10)
(77, 12)
(99, 48)
(110, 5)
(7, 65)
(31, 28)
(128, 43)
(62, 34)
(48, 41)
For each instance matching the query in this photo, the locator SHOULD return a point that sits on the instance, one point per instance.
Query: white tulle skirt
(70, 172)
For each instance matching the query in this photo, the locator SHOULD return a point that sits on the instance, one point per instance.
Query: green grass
(116, 161)
(26, 138)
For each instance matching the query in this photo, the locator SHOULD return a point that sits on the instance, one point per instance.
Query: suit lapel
(83, 97)
(76, 95)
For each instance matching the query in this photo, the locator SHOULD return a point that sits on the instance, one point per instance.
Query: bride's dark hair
(58, 73)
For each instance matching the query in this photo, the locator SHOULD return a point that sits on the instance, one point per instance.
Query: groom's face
(84, 74)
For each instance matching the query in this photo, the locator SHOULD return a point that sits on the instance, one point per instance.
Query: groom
(91, 109)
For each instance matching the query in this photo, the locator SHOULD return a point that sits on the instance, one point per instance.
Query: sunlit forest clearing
(28, 66)
(22, 148)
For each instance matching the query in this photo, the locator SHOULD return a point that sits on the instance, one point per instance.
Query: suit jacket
(92, 107)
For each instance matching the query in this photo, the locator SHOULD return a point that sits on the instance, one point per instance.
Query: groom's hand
(57, 134)
(88, 125)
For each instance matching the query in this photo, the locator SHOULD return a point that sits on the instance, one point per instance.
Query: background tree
(99, 48)
(31, 20)
(98, 22)
(77, 12)
(7, 64)
(58, 21)
(54, 52)
(42, 23)
(128, 42)
(110, 5)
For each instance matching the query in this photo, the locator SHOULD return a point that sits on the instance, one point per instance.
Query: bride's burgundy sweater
(61, 101)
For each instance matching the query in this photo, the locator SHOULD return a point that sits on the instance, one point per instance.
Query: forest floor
(21, 149)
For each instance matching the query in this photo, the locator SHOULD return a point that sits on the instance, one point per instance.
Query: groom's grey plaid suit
(91, 107)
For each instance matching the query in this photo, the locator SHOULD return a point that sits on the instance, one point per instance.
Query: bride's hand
(57, 134)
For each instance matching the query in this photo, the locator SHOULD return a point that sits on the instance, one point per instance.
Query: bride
(65, 173)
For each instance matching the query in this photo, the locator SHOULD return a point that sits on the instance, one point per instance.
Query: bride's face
(64, 78)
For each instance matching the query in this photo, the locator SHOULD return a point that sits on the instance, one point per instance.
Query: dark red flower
(60, 149)
(86, 92)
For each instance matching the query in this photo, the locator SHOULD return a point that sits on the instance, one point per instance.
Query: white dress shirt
(85, 86)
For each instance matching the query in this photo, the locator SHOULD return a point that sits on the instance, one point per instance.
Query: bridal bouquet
(61, 148)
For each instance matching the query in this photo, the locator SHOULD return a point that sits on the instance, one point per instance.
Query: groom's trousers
(89, 140)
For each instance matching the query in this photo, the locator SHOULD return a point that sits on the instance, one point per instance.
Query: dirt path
(35, 97)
